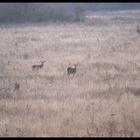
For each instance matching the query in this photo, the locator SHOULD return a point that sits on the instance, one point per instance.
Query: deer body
(71, 70)
(38, 66)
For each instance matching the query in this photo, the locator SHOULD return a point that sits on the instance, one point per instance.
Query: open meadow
(101, 99)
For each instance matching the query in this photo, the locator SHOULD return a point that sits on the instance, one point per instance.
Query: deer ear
(77, 64)
(69, 63)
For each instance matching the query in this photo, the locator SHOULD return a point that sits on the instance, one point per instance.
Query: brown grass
(102, 99)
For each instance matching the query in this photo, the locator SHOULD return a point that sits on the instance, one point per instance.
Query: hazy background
(55, 12)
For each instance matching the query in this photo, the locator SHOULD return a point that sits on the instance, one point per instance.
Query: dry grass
(102, 99)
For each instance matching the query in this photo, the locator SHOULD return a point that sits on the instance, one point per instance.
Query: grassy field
(101, 99)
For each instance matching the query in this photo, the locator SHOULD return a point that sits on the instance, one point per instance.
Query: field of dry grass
(101, 99)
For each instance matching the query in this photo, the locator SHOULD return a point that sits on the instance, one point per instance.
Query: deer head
(75, 65)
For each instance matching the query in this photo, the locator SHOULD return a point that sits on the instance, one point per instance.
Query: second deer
(71, 70)
(38, 66)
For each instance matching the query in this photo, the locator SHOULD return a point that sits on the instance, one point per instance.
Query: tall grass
(101, 99)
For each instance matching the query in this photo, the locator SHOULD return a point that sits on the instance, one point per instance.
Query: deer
(38, 66)
(71, 70)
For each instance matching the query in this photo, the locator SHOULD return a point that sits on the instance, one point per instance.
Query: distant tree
(35, 12)
(23, 11)
(79, 13)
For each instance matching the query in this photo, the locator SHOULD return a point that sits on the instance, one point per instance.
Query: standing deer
(38, 66)
(71, 70)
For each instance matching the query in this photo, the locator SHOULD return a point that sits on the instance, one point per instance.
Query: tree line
(55, 12)
(38, 12)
